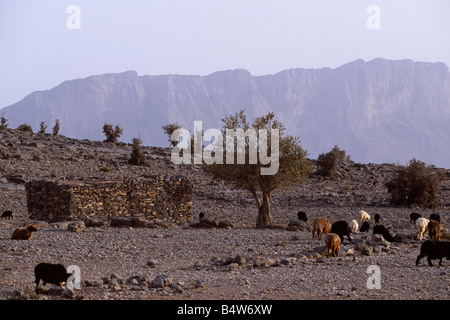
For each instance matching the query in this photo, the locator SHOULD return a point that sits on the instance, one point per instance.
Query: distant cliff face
(378, 111)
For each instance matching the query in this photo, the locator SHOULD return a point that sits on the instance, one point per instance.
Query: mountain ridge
(378, 111)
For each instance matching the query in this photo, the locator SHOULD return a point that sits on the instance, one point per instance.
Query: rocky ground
(239, 262)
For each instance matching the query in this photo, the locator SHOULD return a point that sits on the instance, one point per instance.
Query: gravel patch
(240, 263)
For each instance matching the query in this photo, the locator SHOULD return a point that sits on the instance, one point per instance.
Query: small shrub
(415, 184)
(42, 127)
(112, 134)
(137, 157)
(25, 127)
(56, 127)
(106, 169)
(169, 129)
(328, 162)
(3, 122)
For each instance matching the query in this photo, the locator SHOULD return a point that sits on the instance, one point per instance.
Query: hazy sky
(38, 50)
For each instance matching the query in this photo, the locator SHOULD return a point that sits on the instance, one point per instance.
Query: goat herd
(432, 249)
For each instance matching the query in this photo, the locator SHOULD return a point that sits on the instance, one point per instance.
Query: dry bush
(42, 127)
(112, 134)
(56, 128)
(169, 129)
(328, 162)
(3, 122)
(25, 127)
(137, 157)
(415, 184)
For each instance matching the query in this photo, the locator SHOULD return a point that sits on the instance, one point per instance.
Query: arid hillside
(235, 262)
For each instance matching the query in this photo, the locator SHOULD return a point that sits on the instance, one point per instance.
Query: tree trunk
(264, 216)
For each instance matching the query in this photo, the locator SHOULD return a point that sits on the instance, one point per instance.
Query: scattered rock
(318, 250)
(239, 260)
(377, 237)
(364, 249)
(19, 179)
(160, 281)
(93, 283)
(136, 222)
(152, 263)
(209, 224)
(68, 294)
(76, 226)
(17, 293)
(298, 225)
(349, 252)
(55, 291)
(93, 223)
(133, 281)
(358, 240)
(176, 288)
(197, 265)
(225, 225)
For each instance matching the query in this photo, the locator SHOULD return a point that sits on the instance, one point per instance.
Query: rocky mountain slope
(378, 111)
(30, 156)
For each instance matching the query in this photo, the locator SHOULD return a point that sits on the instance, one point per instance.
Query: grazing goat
(414, 216)
(7, 214)
(301, 215)
(24, 233)
(50, 273)
(422, 226)
(434, 230)
(434, 250)
(364, 227)
(354, 226)
(321, 225)
(435, 217)
(333, 244)
(380, 229)
(364, 216)
(342, 229)
(377, 218)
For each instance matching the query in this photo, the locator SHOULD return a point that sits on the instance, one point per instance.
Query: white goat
(354, 225)
(422, 227)
(364, 216)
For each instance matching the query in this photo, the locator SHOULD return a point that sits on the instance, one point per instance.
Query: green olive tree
(293, 166)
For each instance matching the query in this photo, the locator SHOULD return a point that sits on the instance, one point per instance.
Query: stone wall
(152, 198)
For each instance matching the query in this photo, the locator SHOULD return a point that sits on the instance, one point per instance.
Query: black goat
(435, 217)
(50, 273)
(434, 249)
(342, 229)
(7, 214)
(380, 229)
(377, 218)
(414, 216)
(301, 215)
(364, 227)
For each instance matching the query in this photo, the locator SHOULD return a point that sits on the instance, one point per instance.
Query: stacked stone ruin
(153, 198)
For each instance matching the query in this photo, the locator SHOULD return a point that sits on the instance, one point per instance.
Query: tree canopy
(292, 163)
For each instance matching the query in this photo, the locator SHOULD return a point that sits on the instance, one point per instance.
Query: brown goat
(333, 244)
(434, 230)
(321, 225)
(24, 233)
